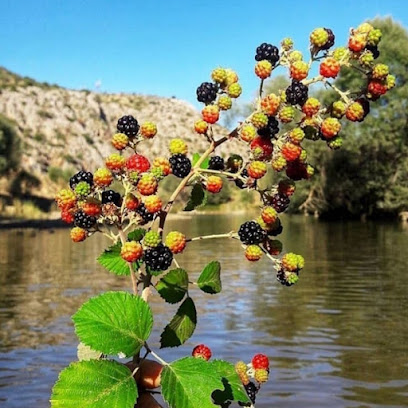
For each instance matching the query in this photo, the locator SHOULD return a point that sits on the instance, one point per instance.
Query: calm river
(339, 338)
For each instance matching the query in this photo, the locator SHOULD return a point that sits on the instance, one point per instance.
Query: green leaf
(198, 198)
(86, 353)
(233, 388)
(94, 384)
(181, 327)
(210, 280)
(137, 234)
(204, 164)
(190, 383)
(113, 262)
(114, 322)
(173, 286)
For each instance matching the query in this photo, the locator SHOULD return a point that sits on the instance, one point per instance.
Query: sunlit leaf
(114, 322)
(95, 384)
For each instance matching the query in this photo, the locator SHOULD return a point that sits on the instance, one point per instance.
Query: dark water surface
(339, 338)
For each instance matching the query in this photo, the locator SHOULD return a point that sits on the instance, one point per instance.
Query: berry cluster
(274, 134)
(258, 370)
(122, 199)
(91, 205)
(217, 96)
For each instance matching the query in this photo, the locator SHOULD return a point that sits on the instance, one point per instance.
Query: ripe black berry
(276, 229)
(365, 104)
(158, 258)
(267, 52)
(271, 129)
(374, 50)
(330, 41)
(110, 196)
(146, 215)
(128, 125)
(207, 92)
(250, 232)
(81, 176)
(251, 390)
(296, 93)
(279, 202)
(239, 183)
(180, 165)
(84, 221)
(216, 163)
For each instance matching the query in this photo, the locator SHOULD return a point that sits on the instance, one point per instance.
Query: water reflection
(338, 338)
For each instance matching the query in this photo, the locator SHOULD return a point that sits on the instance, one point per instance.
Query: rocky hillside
(62, 131)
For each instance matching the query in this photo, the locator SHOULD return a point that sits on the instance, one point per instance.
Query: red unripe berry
(377, 88)
(329, 68)
(260, 361)
(91, 208)
(357, 43)
(153, 204)
(138, 163)
(201, 127)
(78, 234)
(263, 69)
(211, 114)
(202, 351)
(291, 151)
(131, 202)
(214, 184)
(330, 127)
(131, 251)
(256, 169)
(264, 146)
(67, 216)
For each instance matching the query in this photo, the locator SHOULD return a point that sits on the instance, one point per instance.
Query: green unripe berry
(152, 239)
(82, 189)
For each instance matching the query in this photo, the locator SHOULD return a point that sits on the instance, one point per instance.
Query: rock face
(63, 130)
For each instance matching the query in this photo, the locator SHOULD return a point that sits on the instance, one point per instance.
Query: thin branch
(158, 358)
(343, 95)
(222, 173)
(180, 187)
(231, 234)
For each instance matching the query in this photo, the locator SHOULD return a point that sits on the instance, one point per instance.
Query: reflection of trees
(289, 312)
(354, 289)
(371, 293)
(44, 279)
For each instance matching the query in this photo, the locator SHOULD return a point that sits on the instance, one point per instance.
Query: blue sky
(163, 47)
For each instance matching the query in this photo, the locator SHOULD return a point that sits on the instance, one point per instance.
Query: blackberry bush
(117, 323)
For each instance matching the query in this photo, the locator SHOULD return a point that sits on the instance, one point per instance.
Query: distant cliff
(61, 131)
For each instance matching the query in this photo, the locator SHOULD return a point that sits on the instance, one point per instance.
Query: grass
(45, 114)
(57, 174)
(39, 137)
(23, 210)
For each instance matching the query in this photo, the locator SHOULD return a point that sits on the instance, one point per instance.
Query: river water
(339, 338)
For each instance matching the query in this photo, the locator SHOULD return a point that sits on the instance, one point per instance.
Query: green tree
(9, 146)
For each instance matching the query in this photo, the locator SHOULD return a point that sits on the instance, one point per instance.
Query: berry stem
(343, 95)
(231, 234)
(261, 88)
(213, 145)
(183, 183)
(276, 261)
(313, 80)
(158, 358)
(132, 272)
(224, 173)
